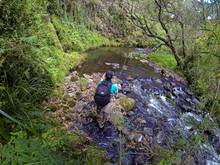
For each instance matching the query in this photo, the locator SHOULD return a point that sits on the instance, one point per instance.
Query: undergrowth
(36, 52)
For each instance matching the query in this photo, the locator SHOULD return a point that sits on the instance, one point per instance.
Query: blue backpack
(103, 93)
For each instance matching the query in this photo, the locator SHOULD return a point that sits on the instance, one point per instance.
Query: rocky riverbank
(149, 120)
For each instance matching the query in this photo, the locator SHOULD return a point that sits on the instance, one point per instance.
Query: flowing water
(164, 115)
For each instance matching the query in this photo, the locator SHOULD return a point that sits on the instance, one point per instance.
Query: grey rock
(148, 131)
(189, 160)
(131, 136)
(87, 76)
(160, 137)
(125, 67)
(140, 121)
(131, 113)
(138, 138)
(173, 84)
(90, 83)
(151, 122)
(189, 92)
(158, 81)
(108, 63)
(125, 131)
(115, 66)
(120, 95)
(186, 108)
(168, 86)
(112, 113)
(139, 160)
(79, 106)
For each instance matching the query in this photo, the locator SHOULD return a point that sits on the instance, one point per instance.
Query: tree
(162, 20)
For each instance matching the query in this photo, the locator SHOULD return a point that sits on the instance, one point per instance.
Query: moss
(82, 83)
(127, 103)
(114, 115)
(117, 119)
(164, 59)
(75, 78)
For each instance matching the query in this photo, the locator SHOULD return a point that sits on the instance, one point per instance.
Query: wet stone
(108, 64)
(151, 122)
(125, 67)
(120, 95)
(186, 108)
(189, 160)
(129, 78)
(173, 84)
(189, 92)
(140, 121)
(158, 81)
(108, 131)
(87, 76)
(218, 149)
(139, 160)
(125, 131)
(148, 131)
(79, 106)
(168, 86)
(160, 137)
(138, 138)
(131, 113)
(131, 136)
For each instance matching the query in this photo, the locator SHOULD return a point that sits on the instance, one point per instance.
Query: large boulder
(127, 103)
(112, 113)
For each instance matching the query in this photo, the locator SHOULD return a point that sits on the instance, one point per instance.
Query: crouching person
(105, 89)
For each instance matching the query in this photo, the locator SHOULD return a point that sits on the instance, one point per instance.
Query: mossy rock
(127, 103)
(168, 95)
(74, 78)
(82, 83)
(117, 119)
(114, 115)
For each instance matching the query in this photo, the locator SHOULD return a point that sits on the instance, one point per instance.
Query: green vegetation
(37, 49)
(163, 58)
(191, 34)
(56, 146)
(82, 83)
(127, 103)
(40, 41)
(79, 39)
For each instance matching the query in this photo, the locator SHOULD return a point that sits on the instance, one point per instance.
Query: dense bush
(55, 147)
(204, 73)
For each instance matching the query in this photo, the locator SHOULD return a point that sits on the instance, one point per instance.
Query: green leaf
(10, 117)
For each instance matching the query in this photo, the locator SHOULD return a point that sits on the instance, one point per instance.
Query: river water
(164, 119)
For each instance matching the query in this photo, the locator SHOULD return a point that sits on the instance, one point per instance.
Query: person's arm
(114, 89)
(102, 79)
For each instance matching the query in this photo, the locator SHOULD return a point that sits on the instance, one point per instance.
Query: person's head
(109, 75)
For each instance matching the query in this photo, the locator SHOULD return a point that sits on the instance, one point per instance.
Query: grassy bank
(164, 59)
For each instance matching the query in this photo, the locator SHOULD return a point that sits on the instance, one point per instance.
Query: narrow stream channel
(165, 114)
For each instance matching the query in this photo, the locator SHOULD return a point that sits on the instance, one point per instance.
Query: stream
(164, 116)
